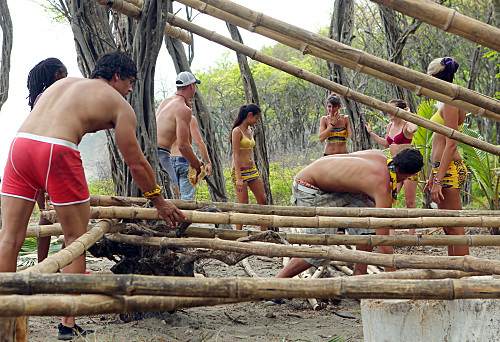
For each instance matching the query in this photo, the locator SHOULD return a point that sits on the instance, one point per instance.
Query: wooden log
(103, 201)
(345, 52)
(289, 221)
(177, 33)
(398, 261)
(448, 20)
(48, 305)
(66, 256)
(358, 97)
(244, 289)
(124, 7)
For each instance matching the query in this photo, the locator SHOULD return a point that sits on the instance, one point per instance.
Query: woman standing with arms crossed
(448, 169)
(399, 136)
(244, 173)
(334, 128)
(42, 76)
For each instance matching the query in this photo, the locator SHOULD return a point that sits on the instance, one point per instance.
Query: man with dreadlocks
(42, 76)
(44, 155)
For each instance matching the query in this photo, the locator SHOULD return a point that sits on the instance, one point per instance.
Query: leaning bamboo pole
(122, 6)
(204, 237)
(447, 19)
(194, 216)
(465, 263)
(249, 288)
(66, 256)
(47, 230)
(55, 305)
(103, 200)
(133, 9)
(345, 91)
(345, 53)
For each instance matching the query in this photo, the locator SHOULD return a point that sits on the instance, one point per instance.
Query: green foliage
(28, 255)
(105, 187)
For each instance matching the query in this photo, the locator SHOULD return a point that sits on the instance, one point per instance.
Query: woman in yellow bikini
(244, 173)
(399, 136)
(334, 128)
(449, 172)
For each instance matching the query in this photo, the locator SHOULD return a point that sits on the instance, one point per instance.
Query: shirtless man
(44, 156)
(173, 119)
(185, 190)
(359, 179)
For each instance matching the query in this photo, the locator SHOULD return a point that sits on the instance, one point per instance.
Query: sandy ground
(253, 321)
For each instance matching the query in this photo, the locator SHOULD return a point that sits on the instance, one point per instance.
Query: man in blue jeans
(184, 189)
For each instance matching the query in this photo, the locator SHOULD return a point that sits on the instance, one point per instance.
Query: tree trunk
(341, 29)
(6, 26)
(94, 36)
(252, 96)
(205, 122)
(397, 32)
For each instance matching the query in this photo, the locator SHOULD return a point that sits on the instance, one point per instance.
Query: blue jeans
(181, 168)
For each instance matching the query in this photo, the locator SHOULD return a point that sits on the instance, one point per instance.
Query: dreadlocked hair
(42, 76)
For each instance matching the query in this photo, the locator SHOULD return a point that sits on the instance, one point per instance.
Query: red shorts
(38, 163)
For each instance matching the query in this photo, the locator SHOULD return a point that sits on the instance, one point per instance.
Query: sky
(37, 36)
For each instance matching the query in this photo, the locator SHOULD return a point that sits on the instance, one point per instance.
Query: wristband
(153, 193)
(437, 181)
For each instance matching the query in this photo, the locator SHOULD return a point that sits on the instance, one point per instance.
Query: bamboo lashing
(194, 216)
(122, 6)
(66, 256)
(248, 288)
(465, 263)
(56, 305)
(132, 9)
(345, 52)
(345, 91)
(448, 20)
(103, 200)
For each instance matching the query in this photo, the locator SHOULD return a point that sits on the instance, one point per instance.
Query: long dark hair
(242, 115)
(399, 103)
(42, 76)
(334, 100)
(443, 68)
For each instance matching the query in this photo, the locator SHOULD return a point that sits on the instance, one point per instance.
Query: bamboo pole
(132, 9)
(243, 289)
(447, 19)
(345, 91)
(47, 230)
(124, 7)
(422, 274)
(102, 200)
(55, 305)
(290, 221)
(345, 52)
(66, 256)
(205, 237)
(466, 263)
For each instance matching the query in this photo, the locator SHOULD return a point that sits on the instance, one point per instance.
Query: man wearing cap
(173, 119)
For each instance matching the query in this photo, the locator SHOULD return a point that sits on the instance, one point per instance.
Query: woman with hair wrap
(334, 128)
(42, 76)
(399, 136)
(449, 172)
(244, 173)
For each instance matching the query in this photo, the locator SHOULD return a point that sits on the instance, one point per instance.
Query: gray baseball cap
(185, 78)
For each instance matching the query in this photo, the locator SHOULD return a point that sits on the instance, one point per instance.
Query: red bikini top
(399, 139)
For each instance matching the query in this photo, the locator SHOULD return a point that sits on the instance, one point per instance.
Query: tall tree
(252, 96)
(341, 29)
(97, 30)
(6, 26)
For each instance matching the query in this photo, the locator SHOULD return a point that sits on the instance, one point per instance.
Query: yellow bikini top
(437, 118)
(245, 143)
(337, 135)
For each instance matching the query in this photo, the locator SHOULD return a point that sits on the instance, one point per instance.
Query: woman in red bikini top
(399, 136)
